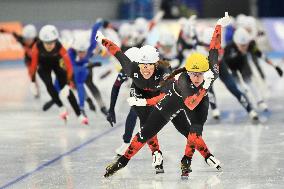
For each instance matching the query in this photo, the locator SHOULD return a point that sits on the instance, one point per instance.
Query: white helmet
(167, 38)
(241, 36)
(241, 20)
(148, 55)
(141, 26)
(48, 33)
(188, 30)
(132, 53)
(124, 30)
(29, 31)
(81, 44)
(207, 35)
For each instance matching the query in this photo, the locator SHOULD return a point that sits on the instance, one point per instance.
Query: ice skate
(104, 110)
(115, 166)
(216, 114)
(262, 106)
(213, 162)
(35, 90)
(91, 104)
(253, 116)
(47, 105)
(185, 167)
(63, 113)
(83, 118)
(158, 162)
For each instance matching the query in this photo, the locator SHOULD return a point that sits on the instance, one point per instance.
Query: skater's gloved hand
(64, 92)
(71, 84)
(279, 71)
(99, 37)
(2, 30)
(111, 117)
(224, 21)
(132, 101)
(208, 78)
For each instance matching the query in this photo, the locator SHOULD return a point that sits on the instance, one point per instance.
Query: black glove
(111, 117)
(279, 71)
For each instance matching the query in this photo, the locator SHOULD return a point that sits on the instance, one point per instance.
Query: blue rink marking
(18, 179)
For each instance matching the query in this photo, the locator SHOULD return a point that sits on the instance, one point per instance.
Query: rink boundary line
(39, 168)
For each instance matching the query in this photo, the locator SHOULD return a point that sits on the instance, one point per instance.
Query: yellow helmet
(196, 62)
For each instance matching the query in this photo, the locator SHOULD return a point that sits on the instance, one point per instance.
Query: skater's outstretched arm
(34, 62)
(192, 100)
(127, 65)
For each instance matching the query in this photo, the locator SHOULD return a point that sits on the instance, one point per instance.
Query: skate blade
(184, 177)
(159, 171)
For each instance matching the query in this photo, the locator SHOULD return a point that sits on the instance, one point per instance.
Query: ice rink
(37, 150)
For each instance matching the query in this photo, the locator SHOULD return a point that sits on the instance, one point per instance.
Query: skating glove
(132, 101)
(64, 92)
(224, 21)
(99, 37)
(208, 78)
(111, 117)
(279, 71)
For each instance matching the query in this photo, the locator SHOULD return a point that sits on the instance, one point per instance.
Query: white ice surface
(37, 150)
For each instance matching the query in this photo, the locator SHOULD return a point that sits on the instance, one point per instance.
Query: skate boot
(216, 114)
(158, 162)
(262, 106)
(47, 105)
(117, 165)
(63, 113)
(104, 110)
(253, 115)
(91, 104)
(213, 162)
(185, 167)
(120, 151)
(83, 118)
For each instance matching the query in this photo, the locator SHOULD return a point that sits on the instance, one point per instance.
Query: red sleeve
(153, 101)
(34, 61)
(111, 47)
(216, 38)
(192, 101)
(67, 62)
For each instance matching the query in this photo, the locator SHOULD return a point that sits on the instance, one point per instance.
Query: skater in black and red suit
(27, 40)
(189, 93)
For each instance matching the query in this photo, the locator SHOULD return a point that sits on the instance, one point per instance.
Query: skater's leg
(129, 125)
(45, 75)
(143, 114)
(94, 90)
(152, 126)
(147, 132)
(231, 85)
(181, 123)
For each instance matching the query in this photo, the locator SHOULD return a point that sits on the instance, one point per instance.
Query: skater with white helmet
(188, 93)
(236, 58)
(228, 80)
(48, 55)
(27, 40)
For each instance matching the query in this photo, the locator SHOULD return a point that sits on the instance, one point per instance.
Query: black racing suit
(58, 61)
(144, 88)
(181, 95)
